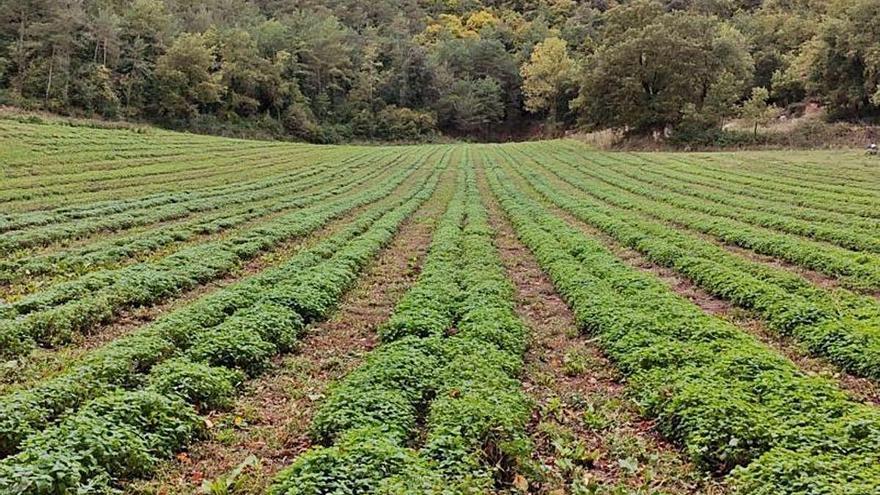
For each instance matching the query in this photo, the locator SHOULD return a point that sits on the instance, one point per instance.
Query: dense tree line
(332, 70)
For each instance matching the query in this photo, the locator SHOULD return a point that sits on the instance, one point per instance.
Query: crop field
(192, 314)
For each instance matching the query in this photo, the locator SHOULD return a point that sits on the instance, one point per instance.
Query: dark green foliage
(730, 402)
(450, 356)
(838, 325)
(239, 328)
(274, 323)
(205, 387)
(362, 461)
(328, 72)
(118, 436)
(233, 347)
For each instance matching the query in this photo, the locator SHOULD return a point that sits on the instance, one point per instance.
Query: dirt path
(588, 435)
(860, 389)
(268, 427)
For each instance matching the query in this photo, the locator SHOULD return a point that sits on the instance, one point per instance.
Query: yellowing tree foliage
(546, 75)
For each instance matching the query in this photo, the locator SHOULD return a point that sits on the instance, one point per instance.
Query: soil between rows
(859, 389)
(268, 427)
(586, 432)
(43, 363)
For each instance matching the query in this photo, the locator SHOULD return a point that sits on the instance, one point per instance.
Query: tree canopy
(335, 70)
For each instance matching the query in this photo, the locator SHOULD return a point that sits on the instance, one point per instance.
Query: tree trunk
(21, 54)
(51, 68)
(756, 130)
(66, 90)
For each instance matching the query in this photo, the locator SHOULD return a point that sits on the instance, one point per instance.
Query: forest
(329, 71)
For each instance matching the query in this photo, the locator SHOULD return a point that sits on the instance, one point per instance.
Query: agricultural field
(191, 314)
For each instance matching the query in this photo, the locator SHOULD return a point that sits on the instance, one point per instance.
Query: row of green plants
(733, 405)
(748, 169)
(822, 165)
(179, 207)
(214, 164)
(868, 206)
(839, 325)
(844, 191)
(39, 218)
(135, 417)
(99, 191)
(437, 407)
(663, 166)
(103, 254)
(846, 236)
(818, 165)
(52, 317)
(860, 271)
(803, 200)
(647, 175)
(690, 174)
(808, 172)
(63, 293)
(55, 150)
(135, 168)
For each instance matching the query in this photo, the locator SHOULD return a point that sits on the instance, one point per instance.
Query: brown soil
(860, 389)
(588, 435)
(270, 421)
(44, 363)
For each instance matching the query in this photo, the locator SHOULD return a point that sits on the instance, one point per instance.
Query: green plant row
(201, 160)
(769, 178)
(99, 296)
(312, 166)
(846, 236)
(825, 164)
(76, 157)
(76, 147)
(732, 404)
(810, 173)
(180, 207)
(86, 156)
(691, 176)
(656, 169)
(227, 164)
(54, 157)
(173, 206)
(102, 254)
(90, 193)
(646, 175)
(859, 271)
(198, 354)
(866, 206)
(839, 325)
(437, 407)
(844, 192)
(123, 434)
(63, 293)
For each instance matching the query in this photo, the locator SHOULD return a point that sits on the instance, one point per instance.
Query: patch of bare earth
(589, 437)
(859, 389)
(268, 427)
(42, 363)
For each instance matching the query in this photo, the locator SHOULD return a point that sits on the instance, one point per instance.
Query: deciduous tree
(547, 76)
